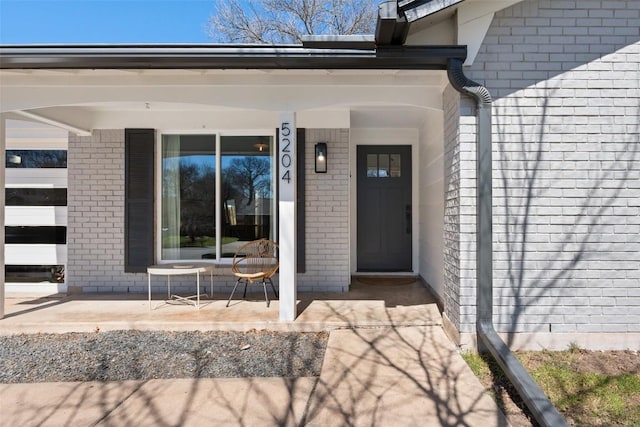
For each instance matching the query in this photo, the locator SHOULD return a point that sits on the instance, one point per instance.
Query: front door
(384, 207)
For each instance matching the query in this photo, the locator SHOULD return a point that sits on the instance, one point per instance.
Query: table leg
(211, 275)
(149, 277)
(198, 290)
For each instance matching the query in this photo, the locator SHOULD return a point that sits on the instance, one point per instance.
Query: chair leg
(273, 287)
(244, 294)
(233, 292)
(264, 286)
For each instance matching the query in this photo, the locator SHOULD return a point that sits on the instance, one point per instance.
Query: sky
(104, 21)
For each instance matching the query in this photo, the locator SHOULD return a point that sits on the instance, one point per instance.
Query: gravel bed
(140, 355)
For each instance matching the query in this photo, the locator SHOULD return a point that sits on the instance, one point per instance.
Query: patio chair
(255, 262)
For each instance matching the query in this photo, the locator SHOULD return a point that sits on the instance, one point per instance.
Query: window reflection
(372, 165)
(394, 166)
(247, 195)
(36, 197)
(36, 159)
(383, 166)
(189, 206)
(188, 196)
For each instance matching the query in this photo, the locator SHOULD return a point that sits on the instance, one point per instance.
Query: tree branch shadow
(379, 375)
(548, 231)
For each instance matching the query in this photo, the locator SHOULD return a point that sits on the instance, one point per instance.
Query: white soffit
(93, 99)
(474, 19)
(399, 117)
(29, 115)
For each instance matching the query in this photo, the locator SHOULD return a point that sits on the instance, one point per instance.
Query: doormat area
(386, 281)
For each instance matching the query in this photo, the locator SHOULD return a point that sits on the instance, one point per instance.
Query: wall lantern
(321, 157)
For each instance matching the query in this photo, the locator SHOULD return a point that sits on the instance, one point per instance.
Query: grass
(572, 380)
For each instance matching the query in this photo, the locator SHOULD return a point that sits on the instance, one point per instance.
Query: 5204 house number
(286, 152)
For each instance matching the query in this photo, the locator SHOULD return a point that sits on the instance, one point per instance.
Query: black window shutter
(138, 195)
(300, 231)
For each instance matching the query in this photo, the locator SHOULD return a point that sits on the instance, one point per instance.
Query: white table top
(179, 268)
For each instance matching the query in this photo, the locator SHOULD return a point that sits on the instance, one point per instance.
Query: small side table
(180, 269)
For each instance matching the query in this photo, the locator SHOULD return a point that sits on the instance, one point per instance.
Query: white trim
(25, 254)
(36, 177)
(219, 260)
(29, 135)
(26, 143)
(35, 216)
(36, 288)
(2, 204)
(218, 212)
(36, 143)
(473, 21)
(287, 215)
(557, 341)
(46, 120)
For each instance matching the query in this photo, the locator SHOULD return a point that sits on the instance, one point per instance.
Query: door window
(383, 166)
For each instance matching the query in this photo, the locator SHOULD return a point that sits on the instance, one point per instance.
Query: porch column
(3, 144)
(287, 215)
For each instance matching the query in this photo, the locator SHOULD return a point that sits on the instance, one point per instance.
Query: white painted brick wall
(96, 218)
(327, 214)
(467, 198)
(95, 233)
(451, 298)
(566, 196)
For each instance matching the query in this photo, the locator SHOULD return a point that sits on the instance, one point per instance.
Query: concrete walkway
(387, 364)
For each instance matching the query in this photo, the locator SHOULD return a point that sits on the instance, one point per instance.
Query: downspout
(488, 339)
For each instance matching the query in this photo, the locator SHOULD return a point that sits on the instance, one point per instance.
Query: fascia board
(128, 57)
(416, 10)
(474, 19)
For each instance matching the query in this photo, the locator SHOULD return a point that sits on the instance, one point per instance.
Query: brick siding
(327, 214)
(565, 77)
(96, 218)
(451, 297)
(95, 231)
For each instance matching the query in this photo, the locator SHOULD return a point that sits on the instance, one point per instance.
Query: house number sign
(286, 156)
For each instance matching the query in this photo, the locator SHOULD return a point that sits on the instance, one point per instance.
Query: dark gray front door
(384, 208)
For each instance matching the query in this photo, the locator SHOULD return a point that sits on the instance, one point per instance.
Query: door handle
(407, 215)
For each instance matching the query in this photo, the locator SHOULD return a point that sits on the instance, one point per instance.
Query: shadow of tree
(391, 374)
(503, 391)
(397, 376)
(556, 219)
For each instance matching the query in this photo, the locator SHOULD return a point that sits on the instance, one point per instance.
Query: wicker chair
(253, 262)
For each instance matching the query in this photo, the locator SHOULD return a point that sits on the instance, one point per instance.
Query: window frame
(219, 134)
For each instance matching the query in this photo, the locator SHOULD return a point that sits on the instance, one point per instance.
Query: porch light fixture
(321, 157)
(261, 146)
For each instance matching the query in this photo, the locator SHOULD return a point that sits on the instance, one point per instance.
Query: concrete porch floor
(388, 362)
(363, 306)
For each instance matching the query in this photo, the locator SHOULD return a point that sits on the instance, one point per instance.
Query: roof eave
(180, 57)
(415, 10)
